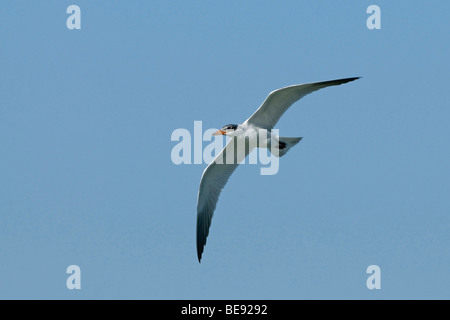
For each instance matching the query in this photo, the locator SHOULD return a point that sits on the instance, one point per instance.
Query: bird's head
(227, 130)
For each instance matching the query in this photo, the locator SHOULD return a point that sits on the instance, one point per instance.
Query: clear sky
(86, 176)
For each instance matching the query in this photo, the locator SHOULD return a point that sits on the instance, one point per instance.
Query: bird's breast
(257, 136)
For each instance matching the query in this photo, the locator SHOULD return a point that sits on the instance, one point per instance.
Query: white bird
(254, 132)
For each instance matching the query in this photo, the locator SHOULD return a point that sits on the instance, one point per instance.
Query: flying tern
(255, 132)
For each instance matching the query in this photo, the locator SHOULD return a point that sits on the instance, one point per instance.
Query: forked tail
(284, 145)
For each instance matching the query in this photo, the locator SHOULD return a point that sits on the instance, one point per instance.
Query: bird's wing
(214, 178)
(280, 100)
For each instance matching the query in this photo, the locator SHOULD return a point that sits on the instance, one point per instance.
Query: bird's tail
(284, 145)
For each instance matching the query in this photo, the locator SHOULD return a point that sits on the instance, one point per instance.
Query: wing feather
(214, 179)
(280, 100)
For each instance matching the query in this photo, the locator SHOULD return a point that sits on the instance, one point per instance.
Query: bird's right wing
(280, 100)
(213, 180)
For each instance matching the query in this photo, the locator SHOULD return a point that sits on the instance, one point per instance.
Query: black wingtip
(199, 251)
(350, 79)
(336, 82)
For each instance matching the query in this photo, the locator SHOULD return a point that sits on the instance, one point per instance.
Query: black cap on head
(230, 126)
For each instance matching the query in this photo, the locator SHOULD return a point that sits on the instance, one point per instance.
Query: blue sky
(86, 176)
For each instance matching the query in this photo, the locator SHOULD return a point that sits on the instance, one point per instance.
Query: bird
(255, 132)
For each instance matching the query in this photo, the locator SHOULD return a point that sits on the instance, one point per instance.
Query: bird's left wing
(213, 180)
(280, 100)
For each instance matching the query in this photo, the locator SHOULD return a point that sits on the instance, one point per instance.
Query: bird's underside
(218, 172)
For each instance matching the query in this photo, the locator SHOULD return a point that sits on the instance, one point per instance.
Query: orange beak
(219, 132)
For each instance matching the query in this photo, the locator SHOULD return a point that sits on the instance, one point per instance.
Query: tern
(256, 132)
